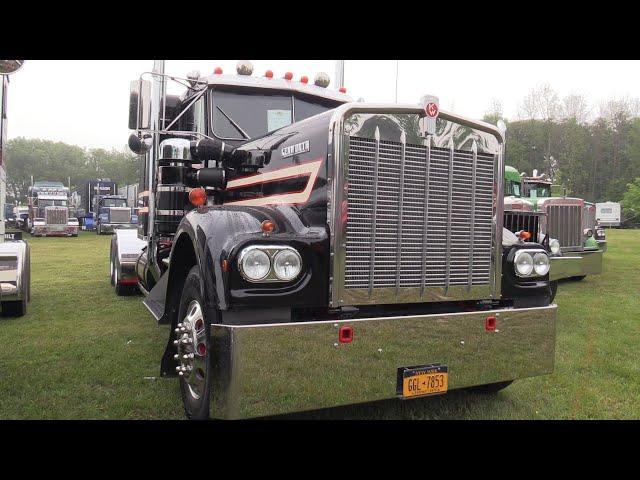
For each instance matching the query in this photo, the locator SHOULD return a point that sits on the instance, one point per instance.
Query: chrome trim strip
(173, 213)
(447, 276)
(472, 220)
(372, 254)
(426, 219)
(403, 151)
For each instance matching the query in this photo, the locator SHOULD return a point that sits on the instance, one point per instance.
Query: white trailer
(15, 271)
(608, 214)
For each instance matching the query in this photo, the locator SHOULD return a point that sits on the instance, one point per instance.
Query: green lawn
(84, 353)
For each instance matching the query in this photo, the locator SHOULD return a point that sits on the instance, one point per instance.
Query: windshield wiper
(244, 134)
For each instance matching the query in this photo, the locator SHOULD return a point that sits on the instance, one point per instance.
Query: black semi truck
(308, 251)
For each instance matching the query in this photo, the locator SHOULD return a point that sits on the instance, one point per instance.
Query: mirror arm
(195, 99)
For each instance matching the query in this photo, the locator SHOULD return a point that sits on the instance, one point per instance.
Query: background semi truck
(50, 211)
(15, 262)
(309, 251)
(565, 219)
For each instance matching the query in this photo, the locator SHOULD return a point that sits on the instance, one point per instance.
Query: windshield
(114, 202)
(537, 190)
(251, 114)
(512, 189)
(51, 203)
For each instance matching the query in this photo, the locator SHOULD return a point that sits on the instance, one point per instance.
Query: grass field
(81, 352)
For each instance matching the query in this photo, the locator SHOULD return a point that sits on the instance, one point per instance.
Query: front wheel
(193, 347)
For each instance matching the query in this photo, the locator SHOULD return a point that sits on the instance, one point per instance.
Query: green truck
(578, 242)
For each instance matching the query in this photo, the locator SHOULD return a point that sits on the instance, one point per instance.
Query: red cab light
(198, 197)
(218, 71)
(268, 226)
(345, 334)
(342, 90)
(490, 324)
(268, 74)
(304, 79)
(288, 76)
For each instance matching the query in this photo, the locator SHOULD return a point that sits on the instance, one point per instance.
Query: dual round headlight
(270, 263)
(530, 263)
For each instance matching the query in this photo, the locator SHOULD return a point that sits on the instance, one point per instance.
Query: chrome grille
(56, 215)
(527, 221)
(119, 215)
(564, 223)
(404, 231)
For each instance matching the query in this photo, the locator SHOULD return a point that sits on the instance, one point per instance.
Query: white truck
(14, 253)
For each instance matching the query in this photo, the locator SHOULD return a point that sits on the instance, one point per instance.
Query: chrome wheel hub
(191, 346)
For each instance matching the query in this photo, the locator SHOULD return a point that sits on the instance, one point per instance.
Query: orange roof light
(198, 197)
(524, 235)
(268, 226)
(217, 71)
(288, 76)
(342, 90)
(268, 74)
(304, 79)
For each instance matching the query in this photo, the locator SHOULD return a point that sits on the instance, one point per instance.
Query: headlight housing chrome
(269, 263)
(531, 263)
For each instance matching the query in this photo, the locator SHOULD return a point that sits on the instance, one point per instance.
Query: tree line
(592, 150)
(58, 161)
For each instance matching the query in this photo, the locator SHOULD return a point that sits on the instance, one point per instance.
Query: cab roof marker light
(268, 74)
(304, 79)
(217, 71)
(322, 80)
(244, 67)
(288, 76)
(342, 90)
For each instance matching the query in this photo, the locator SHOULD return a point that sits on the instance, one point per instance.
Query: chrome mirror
(501, 126)
(7, 67)
(140, 105)
(138, 145)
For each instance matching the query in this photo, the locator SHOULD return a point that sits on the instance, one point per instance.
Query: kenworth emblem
(428, 123)
(295, 149)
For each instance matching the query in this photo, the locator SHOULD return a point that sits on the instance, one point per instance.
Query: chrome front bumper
(272, 369)
(55, 230)
(13, 265)
(576, 264)
(112, 227)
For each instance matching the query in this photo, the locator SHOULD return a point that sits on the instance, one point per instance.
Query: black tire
(112, 266)
(577, 279)
(196, 408)
(15, 309)
(121, 290)
(553, 286)
(491, 388)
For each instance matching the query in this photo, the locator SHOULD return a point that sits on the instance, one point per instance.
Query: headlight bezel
(531, 252)
(271, 251)
(548, 264)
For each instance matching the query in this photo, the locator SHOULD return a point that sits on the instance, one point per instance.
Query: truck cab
(112, 213)
(309, 251)
(50, 211)
(568, 220)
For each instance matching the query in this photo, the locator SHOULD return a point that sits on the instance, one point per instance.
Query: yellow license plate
(428, 380)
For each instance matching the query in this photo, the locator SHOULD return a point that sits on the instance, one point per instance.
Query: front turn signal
(198, 197)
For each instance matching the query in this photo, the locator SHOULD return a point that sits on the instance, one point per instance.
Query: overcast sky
(86, 102)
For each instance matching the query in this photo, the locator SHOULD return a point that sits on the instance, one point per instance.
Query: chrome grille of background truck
(387, 244)
(564, 223)
(119, 215)
(56, 215)
(527, 221)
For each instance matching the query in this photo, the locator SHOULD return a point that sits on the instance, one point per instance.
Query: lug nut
(181, 373)
(177, 330)
(176, 356)
(176, 342)
(178, 369)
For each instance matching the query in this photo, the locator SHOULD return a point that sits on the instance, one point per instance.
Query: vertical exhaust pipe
(339, 73)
